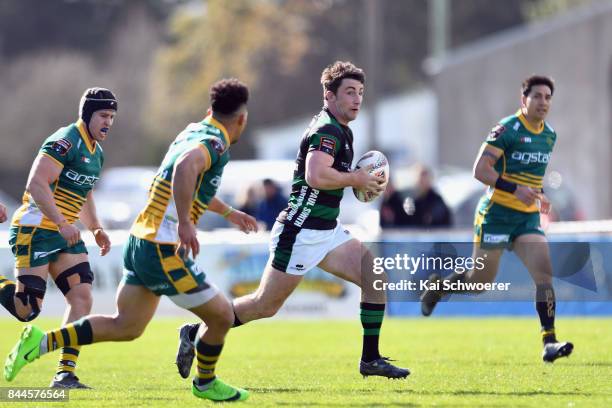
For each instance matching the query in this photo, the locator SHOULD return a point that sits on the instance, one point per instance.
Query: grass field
(454, 362)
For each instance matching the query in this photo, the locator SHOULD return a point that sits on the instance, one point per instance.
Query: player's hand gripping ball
(379, 166)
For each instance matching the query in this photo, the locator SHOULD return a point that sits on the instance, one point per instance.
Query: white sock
(43, 345)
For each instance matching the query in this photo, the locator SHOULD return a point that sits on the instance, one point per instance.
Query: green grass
(454, 362)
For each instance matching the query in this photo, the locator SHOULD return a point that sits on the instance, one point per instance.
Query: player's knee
(81, 300)
(222, 323)
(222, 320)
(30, 297)
(125, 330)
(73, 277)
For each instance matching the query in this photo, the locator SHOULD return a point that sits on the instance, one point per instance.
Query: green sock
(372, 315)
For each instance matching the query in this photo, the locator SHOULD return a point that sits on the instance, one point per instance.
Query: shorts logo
(298, 267)
(327, 145)
(496, 132)
(197, 270)
(62, 146)
(161, 286)
(38, 255)
(496, 238)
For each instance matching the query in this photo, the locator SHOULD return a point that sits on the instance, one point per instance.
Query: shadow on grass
(594, 364)
(505, 393)
(566, 363)
(281, 390)
(348, 404)
(266, 390)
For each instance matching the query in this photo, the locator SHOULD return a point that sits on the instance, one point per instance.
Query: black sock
(7, 295)
(237, 321)
(546, 305)
(372, 315)
(193, 331)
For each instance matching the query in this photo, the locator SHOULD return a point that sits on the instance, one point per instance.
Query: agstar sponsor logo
(531, 157)
(81, 179)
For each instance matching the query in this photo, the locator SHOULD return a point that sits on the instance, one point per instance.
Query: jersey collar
(212, 121)
(91, 144)
(331, 115)
(528, 125)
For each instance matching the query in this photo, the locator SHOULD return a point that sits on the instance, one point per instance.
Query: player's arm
(242, 220)
(321, 175)
(3, 214)
(484, 171)
(186, 171)
(45, 171)
(89, 218)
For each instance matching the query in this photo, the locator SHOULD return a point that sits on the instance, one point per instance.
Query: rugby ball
(379, 166)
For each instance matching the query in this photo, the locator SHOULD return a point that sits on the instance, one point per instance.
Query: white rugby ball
(379, 166)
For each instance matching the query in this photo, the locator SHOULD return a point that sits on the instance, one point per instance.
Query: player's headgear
(95, 99)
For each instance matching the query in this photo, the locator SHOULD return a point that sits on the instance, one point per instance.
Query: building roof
(517, 35)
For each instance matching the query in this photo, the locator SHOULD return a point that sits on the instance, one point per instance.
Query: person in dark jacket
(423, 208)
(273, 202)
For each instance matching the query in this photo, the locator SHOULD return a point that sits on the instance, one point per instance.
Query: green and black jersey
(81, 160)
(525, 154)
(309, 207)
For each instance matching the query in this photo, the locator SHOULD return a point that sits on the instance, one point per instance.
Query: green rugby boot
(219, 391)
(24, 352)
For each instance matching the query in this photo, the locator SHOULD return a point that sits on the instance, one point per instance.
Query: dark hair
(537, 80)
(333, 74)
(228, 95)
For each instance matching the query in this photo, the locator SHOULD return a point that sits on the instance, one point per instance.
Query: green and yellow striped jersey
(158, 221)
(525, 154)
(81, 161)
